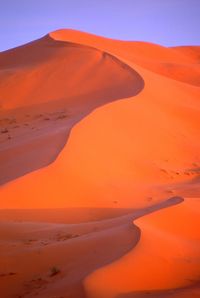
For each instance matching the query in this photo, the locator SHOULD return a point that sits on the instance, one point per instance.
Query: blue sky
(167, 22)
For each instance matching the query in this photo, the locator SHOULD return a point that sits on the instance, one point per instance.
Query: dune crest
(46, 87)
(179, 63)
(121, 146)
(99, 132)
(55, 70)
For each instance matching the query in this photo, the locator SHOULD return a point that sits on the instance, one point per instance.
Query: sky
(166, 22)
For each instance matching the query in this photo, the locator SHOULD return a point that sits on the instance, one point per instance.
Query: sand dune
(46, 87)
(126, 153)
(56, 70)
(95, 133)
(138, 143)
(74, 249)
(179, 63)
(190, 51)
(166, 257)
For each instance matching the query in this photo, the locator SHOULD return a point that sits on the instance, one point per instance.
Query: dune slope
(180, 63)
(48, 70)
(89, 125)
(125, 144)
(45, 88)
(166, 258)
(29, 250)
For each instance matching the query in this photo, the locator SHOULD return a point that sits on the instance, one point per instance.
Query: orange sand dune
(167, 257)
(92, 125)
(124, 145)
(190, 51)
(29, 250)
(45, 88)
(48, 70)
(179, 65)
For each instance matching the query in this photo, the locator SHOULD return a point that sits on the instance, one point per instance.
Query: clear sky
(167, 22)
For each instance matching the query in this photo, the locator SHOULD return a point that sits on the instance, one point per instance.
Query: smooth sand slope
(90, 125)
(180, 63)
(45, 88)
(30, 252)
(47, 70)
(121, 146)
(167, 257)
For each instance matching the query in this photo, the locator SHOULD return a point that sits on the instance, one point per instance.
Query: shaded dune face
(46, 81)
(134, 108)
(166, 258)
(128, 151)
(48, 70)
(121, 152)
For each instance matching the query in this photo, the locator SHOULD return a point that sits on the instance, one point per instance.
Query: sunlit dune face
(46, 87)
(166, 257)
(103, 128)
(119, 147)
(179, 63)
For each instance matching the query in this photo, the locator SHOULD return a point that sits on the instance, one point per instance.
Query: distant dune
(95, 133)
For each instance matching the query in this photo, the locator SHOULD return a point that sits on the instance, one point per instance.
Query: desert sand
(99, 169)
(169, 245)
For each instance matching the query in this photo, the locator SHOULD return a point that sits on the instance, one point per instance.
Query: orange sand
(101, 124)
(121, 152)
(166, 257)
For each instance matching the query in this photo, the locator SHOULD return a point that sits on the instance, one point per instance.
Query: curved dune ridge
(118, 148)
(92, 125)
(46, 84)
(48, 70)
(30, 249)
(166, 258)
(179, 63)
